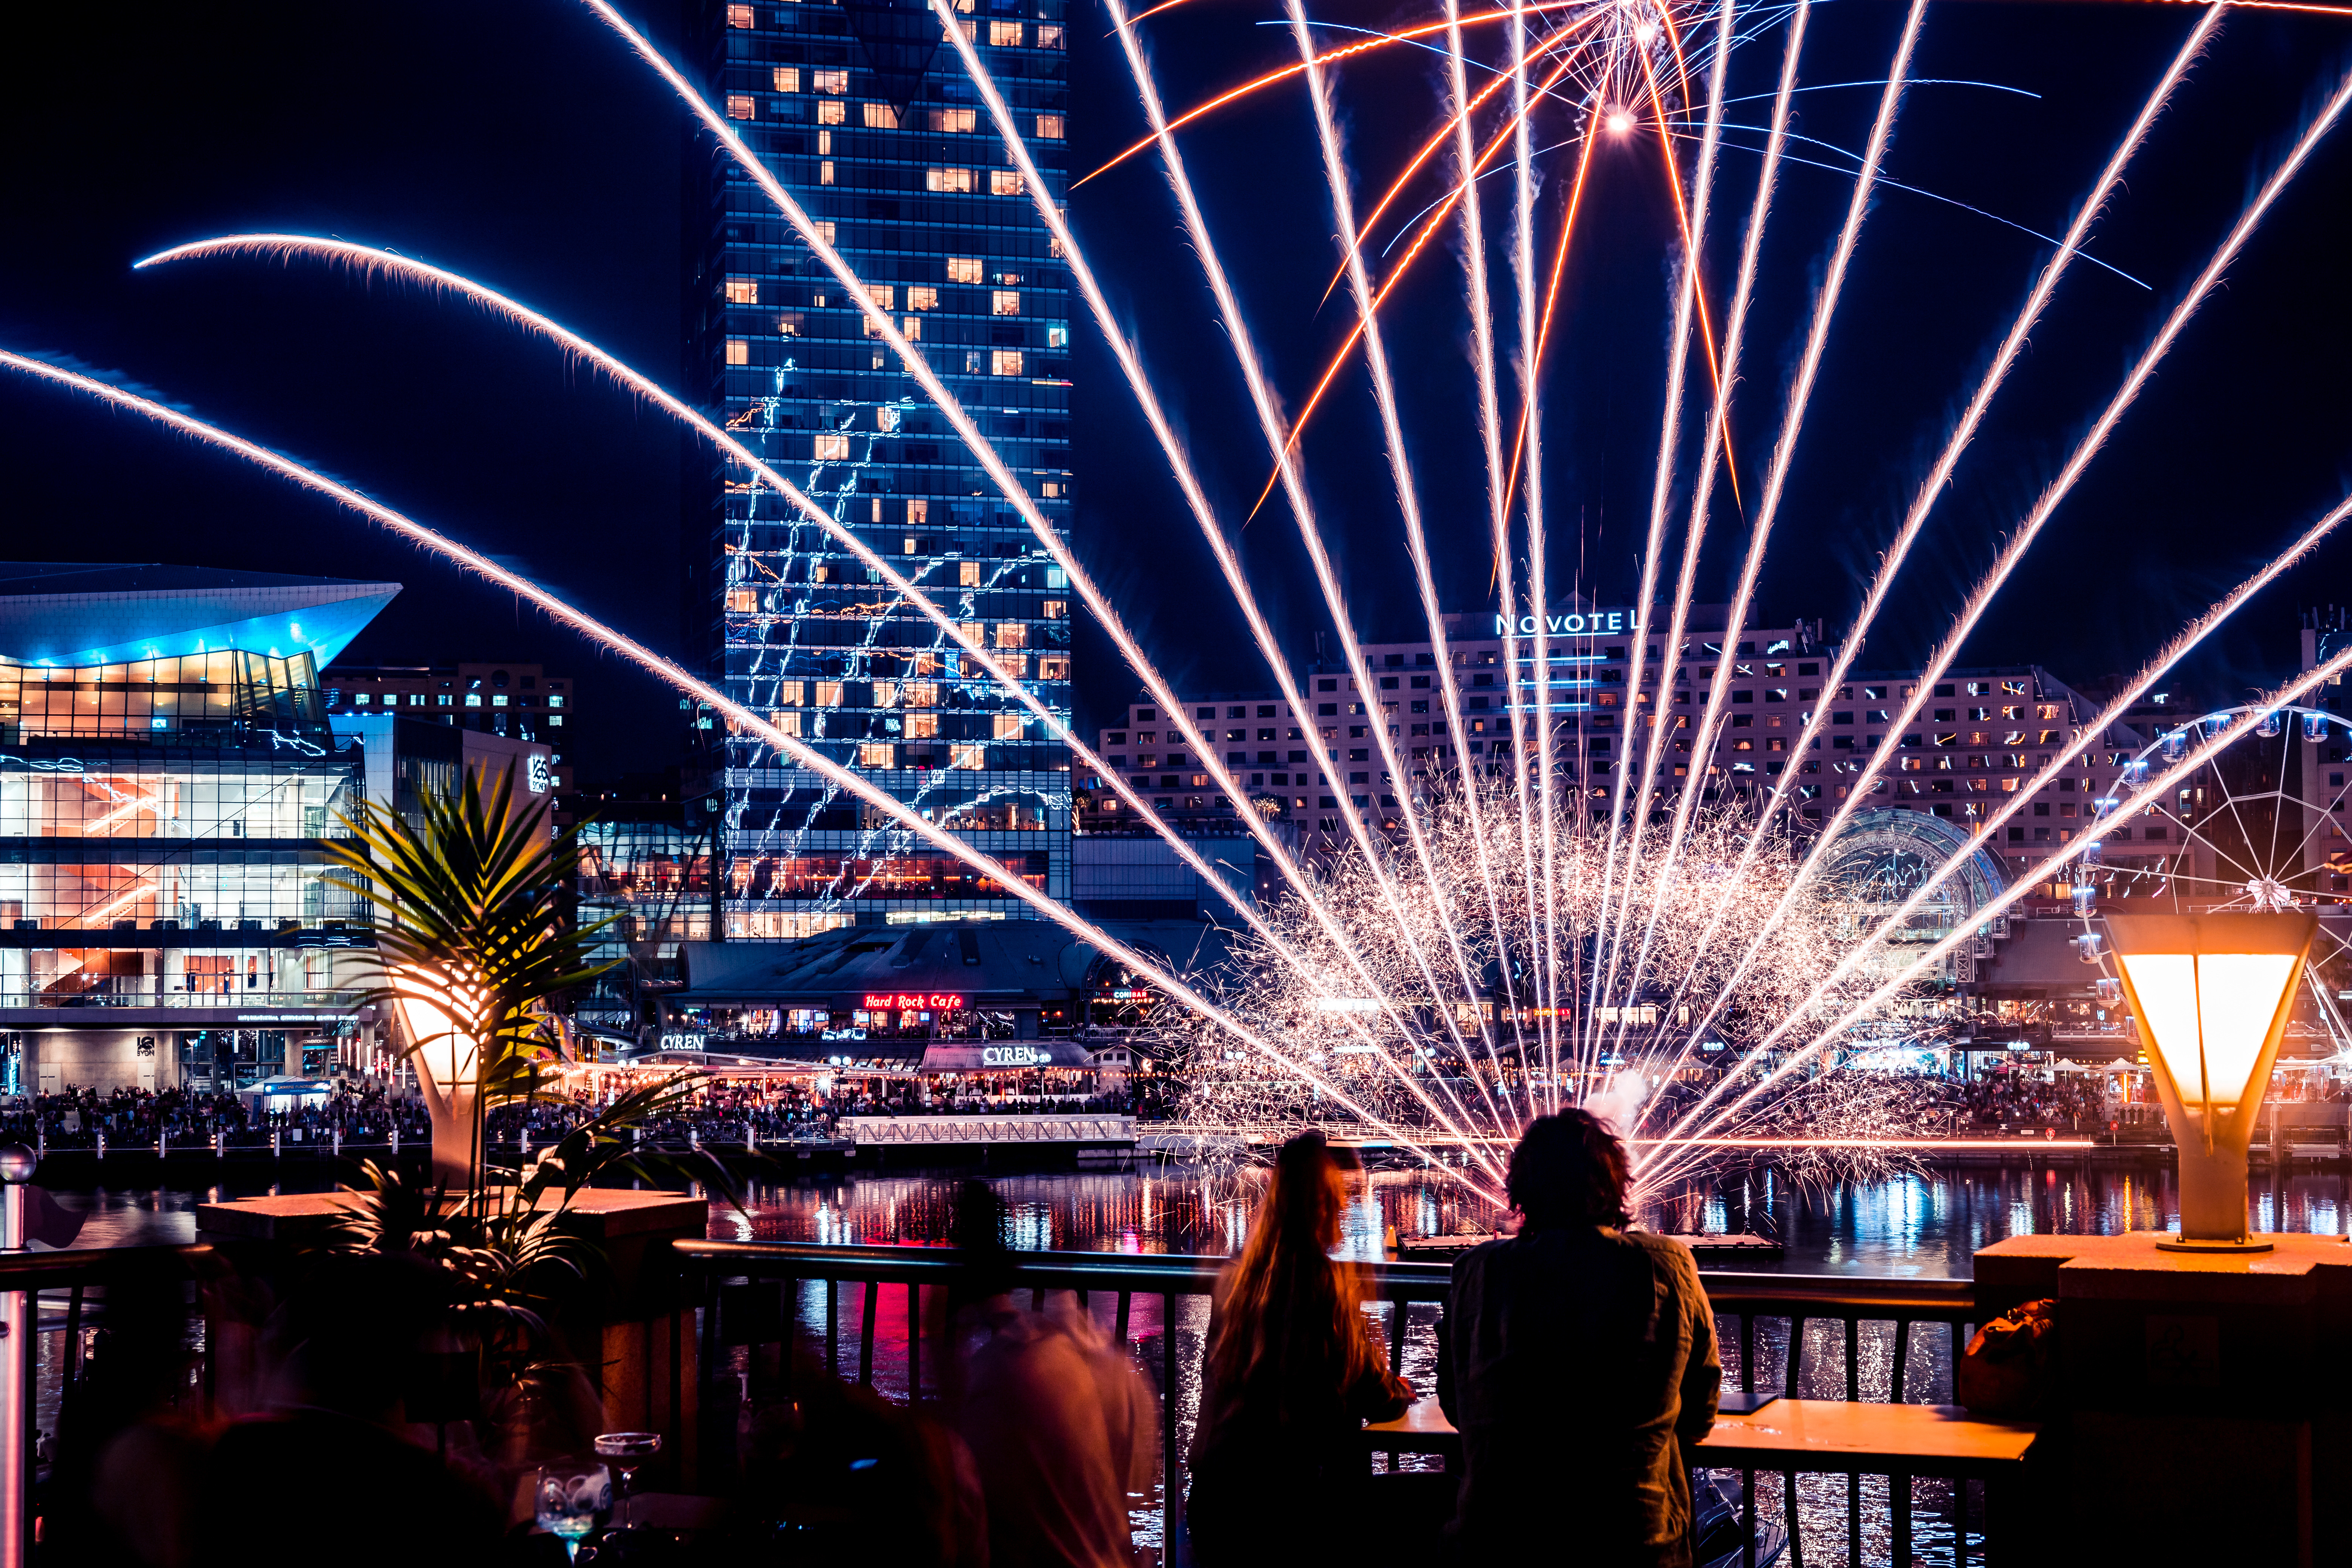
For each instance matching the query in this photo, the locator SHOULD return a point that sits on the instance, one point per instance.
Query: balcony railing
(747, 1295)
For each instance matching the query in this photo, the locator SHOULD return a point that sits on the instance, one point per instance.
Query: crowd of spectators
(75, 1118)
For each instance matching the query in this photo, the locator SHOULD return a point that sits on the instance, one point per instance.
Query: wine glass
(628, 1451)
(570, 1496)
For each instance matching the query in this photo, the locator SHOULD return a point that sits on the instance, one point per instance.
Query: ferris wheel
(2265, 826)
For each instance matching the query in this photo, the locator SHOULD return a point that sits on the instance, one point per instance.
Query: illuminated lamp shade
(448, 1063)
(2213, 993)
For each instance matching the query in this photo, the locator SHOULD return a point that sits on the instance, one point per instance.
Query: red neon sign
(911, 1001)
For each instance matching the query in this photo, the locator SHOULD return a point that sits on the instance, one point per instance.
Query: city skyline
(590, 238)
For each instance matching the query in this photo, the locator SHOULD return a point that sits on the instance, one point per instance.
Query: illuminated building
(522, 702)
(167, 775)
(1983, 734)
(866, 116)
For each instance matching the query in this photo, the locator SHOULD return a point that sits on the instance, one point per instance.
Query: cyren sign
(1013, 1057)
(911, 1001)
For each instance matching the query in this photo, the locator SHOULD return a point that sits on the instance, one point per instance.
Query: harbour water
(1924, 1223)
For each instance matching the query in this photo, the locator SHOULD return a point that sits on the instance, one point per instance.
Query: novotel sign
(1587, 624)
(911, 1001)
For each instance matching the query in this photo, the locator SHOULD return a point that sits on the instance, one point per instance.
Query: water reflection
(1927, 1223)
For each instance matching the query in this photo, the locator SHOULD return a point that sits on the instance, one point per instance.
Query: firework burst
(1465, 1063)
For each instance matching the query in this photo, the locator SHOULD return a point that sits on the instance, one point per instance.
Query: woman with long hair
(1292, 1374)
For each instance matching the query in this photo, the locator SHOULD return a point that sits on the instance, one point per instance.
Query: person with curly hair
(1578, 1359)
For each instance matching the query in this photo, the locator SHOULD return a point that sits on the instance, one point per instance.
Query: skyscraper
(865, 113)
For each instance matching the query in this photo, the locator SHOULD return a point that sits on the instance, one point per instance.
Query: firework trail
(2092, 441)
(1887, 990)
(1799, 399)
(654, 664)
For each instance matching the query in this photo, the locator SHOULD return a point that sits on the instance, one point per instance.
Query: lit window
(743, 601)
(968, 573)
(1009, 725)
(824, 225)
(1050, 668)
(921, 297)
(362, 697)
(832, 448)
(738, 350)
(1004, 181)
(1058, 335)
(442, 700)
(742, 106)
(790, 323)
(498, 702)
(1049, 37)
(555, 718)
(473, 700)
(738, 15)
(1049, 126)
(969, 756)
(1053, 609)
(1004, 35)
(885, 295)
(834, 82)
(742, 290)
(825, 172)
(832, 111)
(828, 694)
(911, 328)
(951, 181)
(1008, 302)
(954, 121)
(1011, 634)
(876, 754)
(881, 117)
(974, 362)
(792, 693)
(788, 79)
(963, 269)
(790, 724)
(918, 510)
(919, 694)
(922, 726)
(1004, 362)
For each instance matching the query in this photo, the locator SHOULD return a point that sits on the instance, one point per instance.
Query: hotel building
(1982, 734)
(866, 114)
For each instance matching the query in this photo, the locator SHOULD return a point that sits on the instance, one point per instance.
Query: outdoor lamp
(2213, 993)
(447, 1061)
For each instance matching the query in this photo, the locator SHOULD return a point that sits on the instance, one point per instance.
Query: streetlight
(2213, 993)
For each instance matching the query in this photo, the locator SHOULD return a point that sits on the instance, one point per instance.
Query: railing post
(1171, 1489)
(16, 1336)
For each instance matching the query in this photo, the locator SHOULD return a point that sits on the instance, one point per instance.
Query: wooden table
(1819, 1437)
(1831, 1437)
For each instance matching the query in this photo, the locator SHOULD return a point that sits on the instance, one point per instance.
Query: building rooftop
(74, 614)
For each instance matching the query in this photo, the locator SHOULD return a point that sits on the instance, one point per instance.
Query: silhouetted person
(348, 1341)
(1579, 1361)
(1292, 1374)
(1060, 1421)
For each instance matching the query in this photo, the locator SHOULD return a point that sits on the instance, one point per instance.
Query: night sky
(521, 143)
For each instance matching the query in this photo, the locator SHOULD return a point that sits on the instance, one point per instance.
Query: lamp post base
(2175, 1242)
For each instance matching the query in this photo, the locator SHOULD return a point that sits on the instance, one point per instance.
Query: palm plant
(470, 946)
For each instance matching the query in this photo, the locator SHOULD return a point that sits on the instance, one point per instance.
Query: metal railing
(748, 1295)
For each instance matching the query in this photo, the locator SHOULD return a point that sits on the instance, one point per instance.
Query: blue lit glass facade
(864, 114)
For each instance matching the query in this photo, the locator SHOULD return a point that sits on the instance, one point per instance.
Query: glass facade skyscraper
(865, 113)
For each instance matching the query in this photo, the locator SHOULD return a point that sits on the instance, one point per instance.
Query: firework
(1635, 1061)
